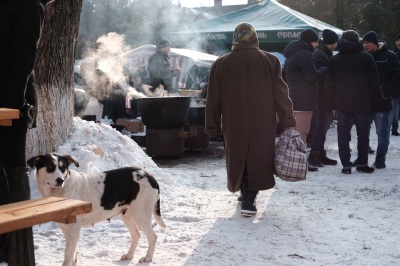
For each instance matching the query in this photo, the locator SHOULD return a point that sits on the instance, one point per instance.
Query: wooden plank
(5, 122)
(7, 113)
(24, 214)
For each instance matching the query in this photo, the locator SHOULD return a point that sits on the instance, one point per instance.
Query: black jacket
(352, 76)
(301, 75)
(389, 78)
(396, 51)
(159, 69)
(322, 56)
(20, 26)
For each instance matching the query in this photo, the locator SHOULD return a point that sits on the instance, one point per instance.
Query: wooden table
(7, 115)
(18, 215)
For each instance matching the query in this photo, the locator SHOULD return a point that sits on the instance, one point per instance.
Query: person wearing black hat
(322, 54)
(302, 77)
(394, 114)
(381, 103)
(20, 29)
(159, 67)
(351, 77)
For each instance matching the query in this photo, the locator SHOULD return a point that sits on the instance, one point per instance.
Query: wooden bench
(7, 115)
(18, 215)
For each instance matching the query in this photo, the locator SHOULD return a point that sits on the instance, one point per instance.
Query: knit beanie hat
(371, 36)
(397, 36)
(163, 43)
(329, 36)
(309, 36)
(351, 36)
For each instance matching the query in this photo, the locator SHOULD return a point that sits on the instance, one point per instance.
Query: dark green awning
(274, 23)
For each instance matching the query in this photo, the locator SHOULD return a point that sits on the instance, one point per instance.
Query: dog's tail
(157, 214)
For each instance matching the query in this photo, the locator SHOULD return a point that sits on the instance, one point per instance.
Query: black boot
(21, 250)
(248, 199)
(313, 159)
(325, 160)
(4, 199)
(312, 168)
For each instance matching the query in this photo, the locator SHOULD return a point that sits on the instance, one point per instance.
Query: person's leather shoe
(346, 171)
(379, 165)
(312, 168)
(371, 151)
(313, 159)
(365, 169)
(248, 209)
(326, 160)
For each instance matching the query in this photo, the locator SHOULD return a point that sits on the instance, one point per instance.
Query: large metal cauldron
(164, 112)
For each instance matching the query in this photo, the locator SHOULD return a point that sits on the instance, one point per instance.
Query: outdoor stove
(165, 142)
(195, 126)
(173, 124)
(164, 118)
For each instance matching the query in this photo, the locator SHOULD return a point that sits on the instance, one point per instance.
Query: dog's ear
(32, 162)
(71, 160)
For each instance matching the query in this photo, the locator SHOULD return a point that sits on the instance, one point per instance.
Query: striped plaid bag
(290, 157)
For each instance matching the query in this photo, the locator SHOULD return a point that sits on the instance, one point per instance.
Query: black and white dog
(130, 192)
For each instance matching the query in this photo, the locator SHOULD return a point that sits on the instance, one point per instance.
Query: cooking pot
(164, 112)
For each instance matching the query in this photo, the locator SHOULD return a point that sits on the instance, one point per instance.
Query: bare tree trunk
(54, 76)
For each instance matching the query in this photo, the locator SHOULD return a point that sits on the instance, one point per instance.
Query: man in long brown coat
(245, 92)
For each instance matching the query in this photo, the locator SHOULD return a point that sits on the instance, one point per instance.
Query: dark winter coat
(389, 78)
(301, 75)
(20, 26)
(352, 76)
(159, 69)
(245, 92)
(397, 52)
(322, 56)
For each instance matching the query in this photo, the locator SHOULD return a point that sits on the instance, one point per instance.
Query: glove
(28, 113)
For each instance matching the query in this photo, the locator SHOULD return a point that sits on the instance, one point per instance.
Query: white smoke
(104, 69)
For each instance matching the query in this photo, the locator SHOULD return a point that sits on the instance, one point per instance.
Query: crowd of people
(359, 85)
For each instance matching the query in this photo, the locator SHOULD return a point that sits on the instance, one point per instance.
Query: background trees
(54, 76)
(381, 16)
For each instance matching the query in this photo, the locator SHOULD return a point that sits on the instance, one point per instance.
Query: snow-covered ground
(328, 219)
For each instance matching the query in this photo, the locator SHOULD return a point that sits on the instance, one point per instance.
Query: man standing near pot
(245, 92)
(20, 27)
(388, 66)
(159, 67)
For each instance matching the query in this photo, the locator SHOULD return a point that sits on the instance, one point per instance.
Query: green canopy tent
(275, 23)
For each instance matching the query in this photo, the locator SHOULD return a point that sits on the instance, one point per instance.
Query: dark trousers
(323, 124)
(12, 146)
(15, 246)
(313, 128)
(247, 195)
(345, 122)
